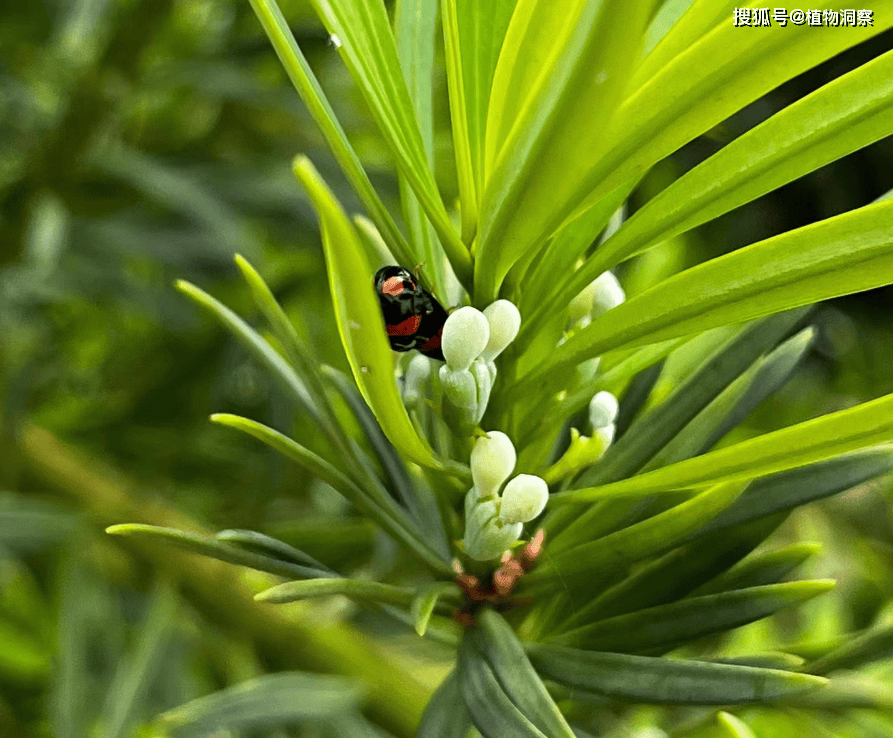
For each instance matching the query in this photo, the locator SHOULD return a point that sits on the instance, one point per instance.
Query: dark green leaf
(665, 681)
(446, 715)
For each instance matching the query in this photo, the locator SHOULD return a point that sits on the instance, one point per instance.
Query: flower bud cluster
(493, 522)
(471, 342)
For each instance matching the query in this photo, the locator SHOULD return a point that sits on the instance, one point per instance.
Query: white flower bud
(492, 540)
(523, 498)
(608, 294)
(603, 410)
(416, 374)
(484, 383)
(492, 460)
(459, 386)
(505, 321)
(465, 334)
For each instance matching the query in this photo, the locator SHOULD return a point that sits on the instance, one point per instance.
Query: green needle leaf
(368, 49)
(314, 98)
(496, 640)
(383, 511)
(666, 626)
(665, 681)
(831, 435)
(849, 253)
(446, 715)
(210, 546)
(386, 594)
(493, 713)
(359, 319)
(587, 565)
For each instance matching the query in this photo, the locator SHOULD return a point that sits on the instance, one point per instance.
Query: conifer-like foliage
(582, 528)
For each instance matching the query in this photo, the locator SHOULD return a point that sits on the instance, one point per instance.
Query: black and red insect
(413, 317)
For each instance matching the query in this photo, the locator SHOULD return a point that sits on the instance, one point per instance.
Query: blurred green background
(142, 141)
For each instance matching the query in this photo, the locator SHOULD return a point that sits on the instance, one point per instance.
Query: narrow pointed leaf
(415, 22)
(368, 49)
(492, 712)
(356, 589)
(771, 374)
(359, 321)
(314, 98)
(496, 640)
(139, 667)
(666, 626)
(586, 564)
(831, 435)
(760, 569)
(446, 715)
(845, 254)
(665, 681)
(473, 34)
(872, 645)
(672, 101)
(422, 504)
(210, 546)
(656, 428)
(271, 700)
(383, 511)
(789, 489)
(676, 574)
(841, 117)
(270, 546)
(546, 116)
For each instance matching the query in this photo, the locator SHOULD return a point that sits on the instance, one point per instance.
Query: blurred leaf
(665, 681)
(865, 425)
(209, 546)
(274, 699)
(356, 589)
(666, 626)
(875, 644)
(260, 349)
(838, 256)
(139, 668)
(29, 525)
(446, 715)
